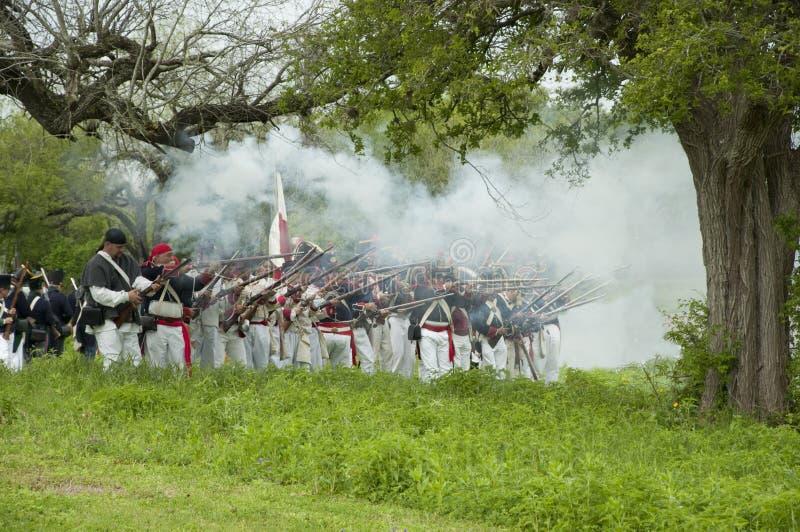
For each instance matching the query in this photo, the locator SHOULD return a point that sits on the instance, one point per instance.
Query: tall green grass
(601, 449)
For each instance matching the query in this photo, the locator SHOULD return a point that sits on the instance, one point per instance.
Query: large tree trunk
(744, 173)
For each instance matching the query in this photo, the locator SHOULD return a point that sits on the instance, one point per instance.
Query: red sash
(451, 347)
(341, 328)
(187, 343)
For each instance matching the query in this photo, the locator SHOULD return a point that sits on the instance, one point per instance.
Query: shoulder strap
(168, 287)
(431, 307)
(35, 300)
(116, 267)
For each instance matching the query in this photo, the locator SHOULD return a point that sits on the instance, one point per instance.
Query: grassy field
(232, 449)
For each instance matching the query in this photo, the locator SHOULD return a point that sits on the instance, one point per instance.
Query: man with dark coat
(62, 310)
(114, 282)
(14, 310)
(41, 317)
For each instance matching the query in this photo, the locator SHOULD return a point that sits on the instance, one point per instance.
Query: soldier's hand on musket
(266, 296)
(135, 297)
(12, 311)
(8, 320)
(383, 313)
(156, 285)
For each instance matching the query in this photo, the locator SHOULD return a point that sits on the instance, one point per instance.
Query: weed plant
(599, 450)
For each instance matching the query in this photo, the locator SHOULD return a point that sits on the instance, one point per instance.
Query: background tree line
(723, 76)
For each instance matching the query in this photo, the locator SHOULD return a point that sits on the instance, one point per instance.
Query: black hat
(56, 276)
(115, 236)
(5, 280)
(35, 281)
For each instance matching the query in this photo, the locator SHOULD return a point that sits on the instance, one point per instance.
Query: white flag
(279, 230)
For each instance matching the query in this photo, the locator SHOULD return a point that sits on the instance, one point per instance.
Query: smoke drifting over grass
(634, 221)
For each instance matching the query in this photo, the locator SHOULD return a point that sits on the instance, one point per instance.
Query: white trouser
(13, 360)
(302, 355)
(547, 352)
(434, 352)
(118, 345)
(290, 340)
(207, 346)
(512, 354)
(463, 346)
(339, 351)
(364, 352)
(259, 340)
(317, 349)
(380, 338)
(494, 357)
(400, 358)
(231, 344)
(165, 346)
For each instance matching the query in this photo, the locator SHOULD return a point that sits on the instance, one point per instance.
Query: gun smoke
(634, 221)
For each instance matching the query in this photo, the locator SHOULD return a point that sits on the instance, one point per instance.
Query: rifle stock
(128, 309)
(17, 289)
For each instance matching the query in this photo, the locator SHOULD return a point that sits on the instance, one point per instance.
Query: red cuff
(492, 332)
(330, 310)
(287, 314)
(281, 300)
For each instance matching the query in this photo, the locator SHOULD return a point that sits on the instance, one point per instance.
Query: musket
(355, 291)
(74, 284)
(501, 257)
(588, 292)
(329, 271)
(234, 259)
(203, 297)
(249, 309)
(520, 313)
(403, 266)
(571, 305)
(414, 304)
(125, 313)
(528, 357)
(543, 294)
(17, 290)
(46, 280)
(309, 257)
(561, 294)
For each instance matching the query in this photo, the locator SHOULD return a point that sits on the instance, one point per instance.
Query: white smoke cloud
(635, 220)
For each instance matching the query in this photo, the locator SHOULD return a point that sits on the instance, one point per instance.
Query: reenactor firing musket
(126, 311)
(520, 320)
(311, 256)
(344, 296)
(248, 309)
(414, 304)
(562, 294)
(203, 298)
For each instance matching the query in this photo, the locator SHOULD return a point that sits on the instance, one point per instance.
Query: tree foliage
(158, 71)
(38, 176)
(722, 75)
